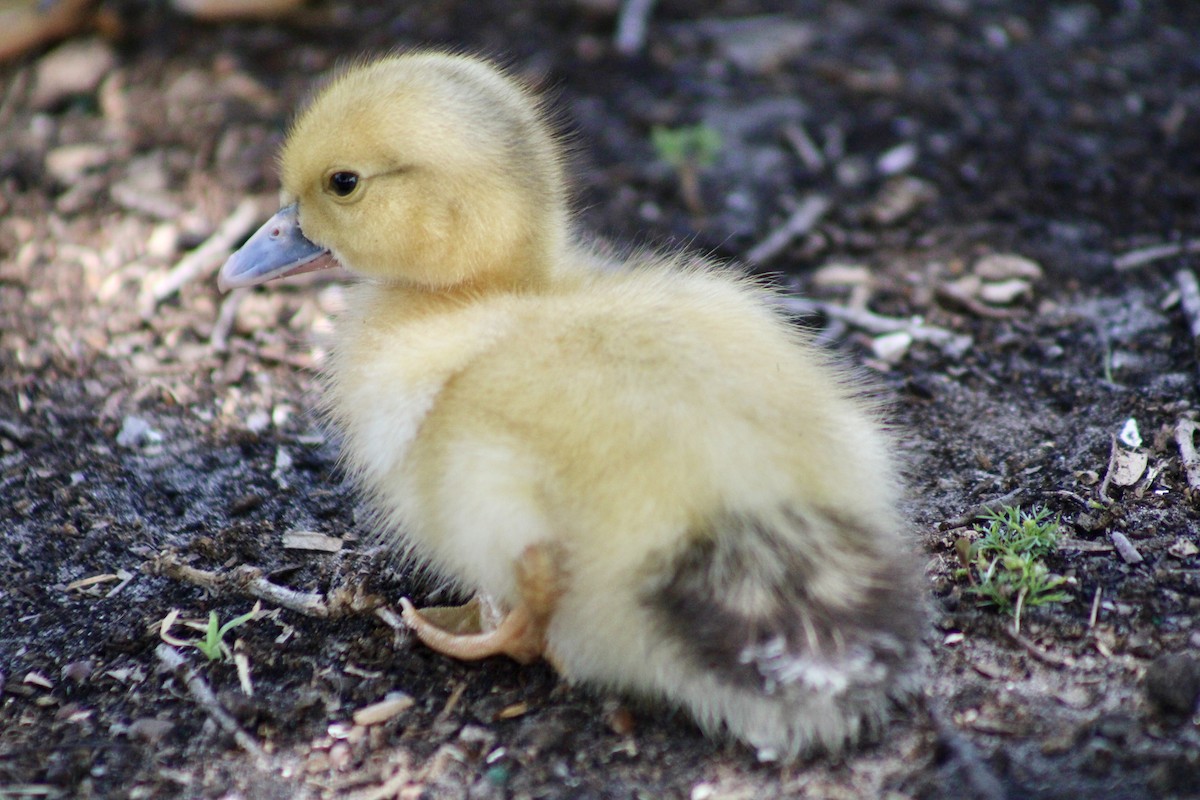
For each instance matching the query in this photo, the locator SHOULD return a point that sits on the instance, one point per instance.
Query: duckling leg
(519, 634)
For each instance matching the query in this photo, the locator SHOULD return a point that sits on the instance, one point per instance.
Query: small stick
(802, 220)
(995, 504)
(204, 696)
(196, 262)
(876, 323)
(1125, 548)
(1189, 299)
(1185, 432)
(219, 339)
(804, 146)
(978, 778)
(1148, 255)
(1037, 652)
(1095, 615)
(451, 703)
(632, 23)
(1102, 490)
(950, 293)
(250, 581)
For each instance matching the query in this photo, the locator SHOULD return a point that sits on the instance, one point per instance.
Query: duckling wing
(787, 601)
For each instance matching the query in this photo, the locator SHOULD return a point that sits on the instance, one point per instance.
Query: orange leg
(519, 634)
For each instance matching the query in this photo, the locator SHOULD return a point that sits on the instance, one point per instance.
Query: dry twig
(1095, 614)
(206, 256)
(1148, 255)
(207, 700)
(803, 219)
(632, 23)
(876, 324)
(1189, 300)
(804, 146)
(1102, 490)
(977, 778)
(249, 580)
(1185, 438)
(219, 339)
(1037, 652)
(1125, 548)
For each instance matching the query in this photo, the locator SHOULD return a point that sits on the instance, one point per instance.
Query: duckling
(657, 483)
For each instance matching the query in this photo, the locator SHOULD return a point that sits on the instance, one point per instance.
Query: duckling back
(724, 502)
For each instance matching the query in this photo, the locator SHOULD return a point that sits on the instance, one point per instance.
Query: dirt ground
(147, 421)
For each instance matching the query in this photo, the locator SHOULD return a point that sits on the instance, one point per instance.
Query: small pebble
(1173, 683)
(892, 347)
(136, 432)
(1003, 266)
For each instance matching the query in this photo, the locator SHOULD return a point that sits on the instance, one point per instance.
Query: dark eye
(343, 183)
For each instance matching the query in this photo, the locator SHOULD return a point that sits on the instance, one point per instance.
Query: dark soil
(939, 131)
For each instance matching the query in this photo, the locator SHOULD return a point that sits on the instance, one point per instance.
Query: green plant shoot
(1005, 565)
(213, 645)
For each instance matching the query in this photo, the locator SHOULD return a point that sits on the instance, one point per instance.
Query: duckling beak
(276, 250)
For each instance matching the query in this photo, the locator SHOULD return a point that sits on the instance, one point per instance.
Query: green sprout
(213, 645)
(688, 149)
(1005, 565)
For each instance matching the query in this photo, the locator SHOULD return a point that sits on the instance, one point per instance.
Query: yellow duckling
(659, 484)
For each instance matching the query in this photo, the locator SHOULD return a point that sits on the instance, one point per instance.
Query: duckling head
(427, 170)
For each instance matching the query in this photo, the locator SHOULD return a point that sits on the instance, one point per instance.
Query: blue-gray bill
(276, 250)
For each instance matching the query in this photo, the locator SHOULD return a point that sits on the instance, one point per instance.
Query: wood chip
(311, 540)
(37, 679)
(513, 711)
(1125, 548)
(391, 706)
(1130, 465)
(961, 295)
(1003, 293)
(241, 662)
(83, 583)
(1006, 266)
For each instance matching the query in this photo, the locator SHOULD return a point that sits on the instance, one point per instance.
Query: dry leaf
(1183, 548)
(1129, 467)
